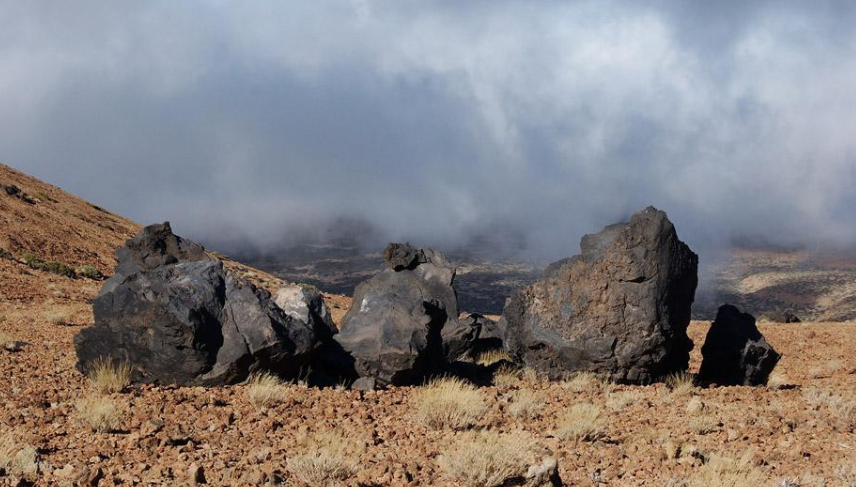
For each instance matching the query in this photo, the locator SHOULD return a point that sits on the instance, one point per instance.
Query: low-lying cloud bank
(530, 122)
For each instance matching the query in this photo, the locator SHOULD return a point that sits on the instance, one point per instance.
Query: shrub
(18, 459)
(680, 383)
(490, 357)
(328, 461)
(99, 413)
(449, 403)
(583, 421)
(5, 254)
(265, 389)
(107, 375)
(487, 458)
(89, 272)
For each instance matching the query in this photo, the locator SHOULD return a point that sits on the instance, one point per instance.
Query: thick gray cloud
(438, 121)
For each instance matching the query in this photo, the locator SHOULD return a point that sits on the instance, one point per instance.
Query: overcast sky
(532, 121)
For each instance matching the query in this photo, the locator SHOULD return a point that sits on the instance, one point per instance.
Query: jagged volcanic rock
(735, 352)
(394, 328)
(620, 309)
(176, 316)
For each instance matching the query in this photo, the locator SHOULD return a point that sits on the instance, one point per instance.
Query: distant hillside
(817, 285)
(41, 223)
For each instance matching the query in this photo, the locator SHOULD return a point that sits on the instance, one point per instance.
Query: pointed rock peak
(156, 246)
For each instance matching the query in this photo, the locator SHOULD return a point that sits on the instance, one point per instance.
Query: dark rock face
(176, 316)
(620, 309)
(393, 331)
(465, 339)
(735, 352)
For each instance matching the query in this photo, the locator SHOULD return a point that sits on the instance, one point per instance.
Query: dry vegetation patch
(100, 413)
(583, 382)
(723, 471)
(490, 357)
(329, 459)
(680, 383)
(617, 401)
(487, 458)
(449, 403)
(265, 389)
(525, 404)
(107, 376)
(582, 422)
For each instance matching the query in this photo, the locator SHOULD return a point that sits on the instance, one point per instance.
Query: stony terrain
(649, 435)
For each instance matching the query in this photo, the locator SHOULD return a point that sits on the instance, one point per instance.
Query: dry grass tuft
(490, 357)
(59, 318)
(620, 400)
(817, 397)
(583, 382)
(583, 421)
(99, 413)
(729, 472)
(327, 461)
(525, 404)
(507, 376)
(265, 389)
(488, 458)
(702, 421)
(680, 383)
(17, 459)
(107, 376)
(449, 403)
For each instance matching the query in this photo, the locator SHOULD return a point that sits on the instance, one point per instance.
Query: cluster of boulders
(620, 309)
(175, 315)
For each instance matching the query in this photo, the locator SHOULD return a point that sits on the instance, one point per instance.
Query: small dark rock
(735, 352)
(783, 316)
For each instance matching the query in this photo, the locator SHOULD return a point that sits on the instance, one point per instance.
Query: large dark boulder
(393, 331)
(735, 352)
(177, 316)
(620, 309)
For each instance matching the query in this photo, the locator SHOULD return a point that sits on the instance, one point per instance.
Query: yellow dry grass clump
(617, 401)
(680, 383)
(265, 389)
(722, 471)
(525, 404)
(328, 460)
(487, 458)
(449, 403)
(490, 357)
(583, 421)
(108, 376)
(99, 413)
(583, 382)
